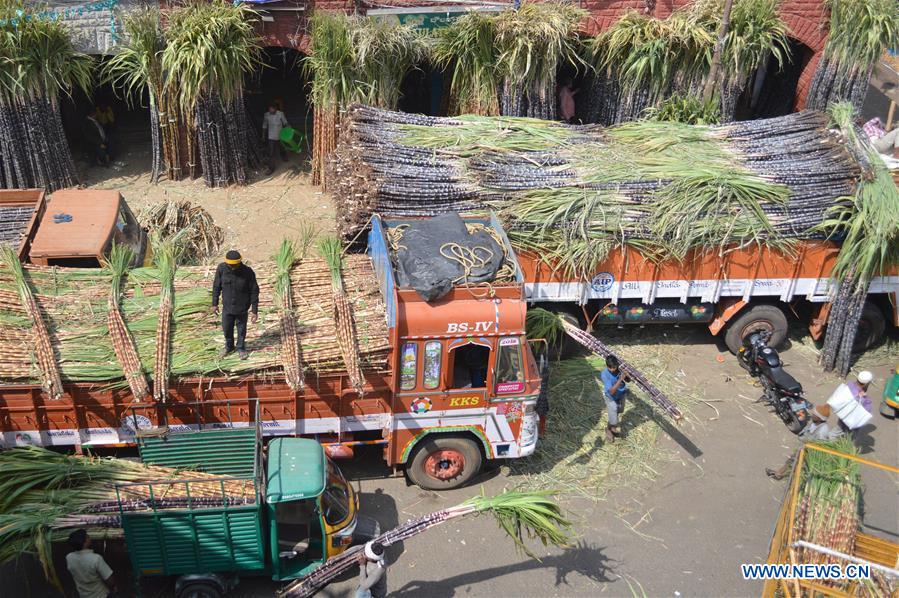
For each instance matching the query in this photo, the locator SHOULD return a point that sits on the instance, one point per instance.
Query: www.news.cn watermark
(806, 572)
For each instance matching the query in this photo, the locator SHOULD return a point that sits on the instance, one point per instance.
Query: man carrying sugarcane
(236, 283)
(272, 123)
(614, 391)
(817, 429)
(372, 572)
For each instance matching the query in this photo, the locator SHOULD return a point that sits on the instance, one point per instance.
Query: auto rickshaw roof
(297, 469)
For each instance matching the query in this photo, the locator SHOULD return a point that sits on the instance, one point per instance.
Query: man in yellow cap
(236, 283)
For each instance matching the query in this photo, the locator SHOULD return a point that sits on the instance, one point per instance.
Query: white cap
(865, 377)
(370, 553)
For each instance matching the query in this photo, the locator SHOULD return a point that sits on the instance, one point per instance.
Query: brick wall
(807, 20)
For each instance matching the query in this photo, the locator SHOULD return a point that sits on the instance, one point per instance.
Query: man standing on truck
(236, 283)
(272, 123)
(614, 391)
(93, 577)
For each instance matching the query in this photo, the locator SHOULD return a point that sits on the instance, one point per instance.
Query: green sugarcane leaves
(534, 514)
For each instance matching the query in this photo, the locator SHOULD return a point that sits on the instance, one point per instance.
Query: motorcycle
(782, 391)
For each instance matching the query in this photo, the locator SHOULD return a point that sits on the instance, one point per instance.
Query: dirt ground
(683, 529)
(255, 217)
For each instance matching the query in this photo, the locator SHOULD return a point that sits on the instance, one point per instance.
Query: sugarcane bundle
(870, 225)
(517, 513)
(860, 31)
(165, 257)
(331, 250)
(354, 59)
(188, 225)
(75, 304)
(51, 380)
(209, 48)
(641, 60)
(37, 63)
(828, 513)
(118, 263)
(573, 193)
(291, 351)
(532, 44)
(45, 494)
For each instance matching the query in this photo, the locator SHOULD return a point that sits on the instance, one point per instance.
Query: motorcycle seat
(785, 381)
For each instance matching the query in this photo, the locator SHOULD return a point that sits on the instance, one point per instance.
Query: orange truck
(734, 294)
(425, 410)
(74, 228)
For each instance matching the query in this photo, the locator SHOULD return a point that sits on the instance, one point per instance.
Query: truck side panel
(90, 415)
(704, 276)
(208, 540)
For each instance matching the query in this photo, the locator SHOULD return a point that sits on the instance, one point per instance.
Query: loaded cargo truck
(279, 511)
(423, 407)
(74, 228)
(743, 291)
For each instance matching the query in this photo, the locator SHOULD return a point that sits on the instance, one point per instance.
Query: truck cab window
(408, 366)
(433, 354)
(509, 373)
(470, 364)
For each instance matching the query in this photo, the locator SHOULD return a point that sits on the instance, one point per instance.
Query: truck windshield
(336, 497)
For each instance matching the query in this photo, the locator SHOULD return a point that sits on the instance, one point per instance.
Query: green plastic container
(292, 140)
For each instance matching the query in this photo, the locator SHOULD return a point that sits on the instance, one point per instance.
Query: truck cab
(79, 227)
(278, 511)
(466, 383)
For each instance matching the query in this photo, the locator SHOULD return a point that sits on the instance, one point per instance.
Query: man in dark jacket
(236, 283)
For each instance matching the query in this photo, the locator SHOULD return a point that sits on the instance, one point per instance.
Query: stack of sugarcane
(44, 495)
(828, 513)
(187, 225)
(43, 349)
(860, 30)
(13, 224)
(291, 351)
(120, 257)
(640, 60)
(165, 257)
(354, 59)
(871, 228)
(533, 43)
(332, 252)
(210, 47)
(74, 305)
(507, 62)
(37, 62)
(135, 68)
(573, 193)
(517, 513)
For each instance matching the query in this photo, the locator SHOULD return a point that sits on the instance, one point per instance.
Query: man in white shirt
(272, 123)
(93, 577)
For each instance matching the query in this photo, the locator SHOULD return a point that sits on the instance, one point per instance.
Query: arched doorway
(773, 89)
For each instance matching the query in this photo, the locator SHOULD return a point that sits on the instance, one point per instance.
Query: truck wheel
(871, 327)
(754, 319)
(444, 463)
(200, 589)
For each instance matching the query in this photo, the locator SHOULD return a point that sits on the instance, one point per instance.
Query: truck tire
(444, 462)
(871, 328)
(757, 317)
(200, 589)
